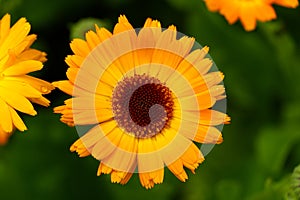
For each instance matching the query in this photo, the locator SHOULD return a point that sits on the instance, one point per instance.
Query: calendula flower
(17, 89)
(148, 95)
(248, 11)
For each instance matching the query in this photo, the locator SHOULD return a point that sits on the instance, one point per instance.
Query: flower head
(148, 95)
(17, 89)
(248, 11)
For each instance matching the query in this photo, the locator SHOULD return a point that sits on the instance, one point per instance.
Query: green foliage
(261, 145)
(79, 29)
(8, 5)
(293, 190)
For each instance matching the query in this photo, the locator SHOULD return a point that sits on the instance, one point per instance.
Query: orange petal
(148, 179)
(5, 117)
(122, 25)
(80, 47)
(192, 157)
(177, 169)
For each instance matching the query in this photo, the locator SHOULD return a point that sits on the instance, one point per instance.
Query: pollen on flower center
(142, 105)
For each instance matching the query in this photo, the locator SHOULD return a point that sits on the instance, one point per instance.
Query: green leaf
(273, 146)
(78, 30)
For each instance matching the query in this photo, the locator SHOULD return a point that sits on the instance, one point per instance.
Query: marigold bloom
(248, 11)
(148, 97)
(17, 89)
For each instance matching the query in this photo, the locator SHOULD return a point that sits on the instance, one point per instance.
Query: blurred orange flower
(248, 11)
(17, 89)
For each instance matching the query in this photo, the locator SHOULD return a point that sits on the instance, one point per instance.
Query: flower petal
(5, 117)
(42, 86)
(17, 101)
(17, 33)
(177, 169)
(21, 88)
(148, 179)
(23, 68)
(64, 86)
(122, 25)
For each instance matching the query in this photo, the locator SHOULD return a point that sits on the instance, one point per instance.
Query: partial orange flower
(148, 94)
(248, 11)
(17, 89)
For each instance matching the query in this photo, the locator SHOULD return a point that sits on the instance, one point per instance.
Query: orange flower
(248, 11)
(147, 94)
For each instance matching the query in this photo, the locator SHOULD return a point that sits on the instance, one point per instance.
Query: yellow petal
(59, 109)
(23, 68)
(177, 169)
(104, 90)
(103, 169)
(80, 47)
(166, 38)
(65, 86)
(204, 117)
(42, 86)
(146, 38)
(149, 34)
(33, 54)
(103, 33)
(41, 101)
(213, 78)
(122, 25)
(5, 117)
(148, 179)
(74, 60)
(3, 136)
(90, 138)
(91, 117)
(17, 34)
(192, 157)
(149, 158)
(212, 117)
(68, 121)
(24, 45)
(4, 27)
(92, 39)
(287, 3)
(152, 23)
(21, 88)
(30, 38)
(90, 103)
(124, 157)
(197, 132)
(208, 134)
(126, 178)
(216, 90)
(17, 101)
(124, 44)
(186, 44)
(197, 59)
(109, 141)
(117, 176)
(72, 74)
(17, 121)
(80, 148)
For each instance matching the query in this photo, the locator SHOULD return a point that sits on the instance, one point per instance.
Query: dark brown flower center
(142, 105)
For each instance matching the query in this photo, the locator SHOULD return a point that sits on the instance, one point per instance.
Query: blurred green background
(261, 145)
